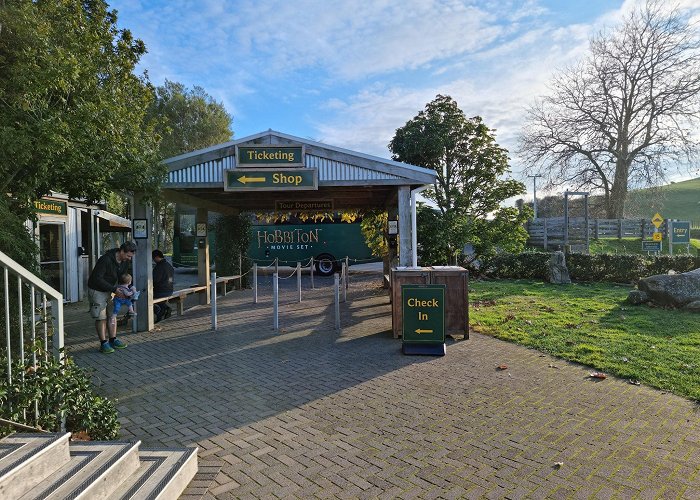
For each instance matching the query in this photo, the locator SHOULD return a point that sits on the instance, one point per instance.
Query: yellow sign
(657, 237)
(657, 220)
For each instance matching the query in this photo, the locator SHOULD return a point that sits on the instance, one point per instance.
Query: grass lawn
(591, 324)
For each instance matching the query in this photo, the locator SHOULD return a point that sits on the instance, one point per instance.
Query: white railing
(40, 294)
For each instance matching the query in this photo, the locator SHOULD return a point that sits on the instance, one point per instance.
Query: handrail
(27, 275)
(36, 286)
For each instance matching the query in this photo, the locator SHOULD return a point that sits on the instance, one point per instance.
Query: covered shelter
(272, 171)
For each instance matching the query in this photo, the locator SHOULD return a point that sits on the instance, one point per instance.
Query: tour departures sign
(423, 314)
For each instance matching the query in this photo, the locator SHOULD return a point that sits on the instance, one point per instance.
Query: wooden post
(544, 228)
(619, 229)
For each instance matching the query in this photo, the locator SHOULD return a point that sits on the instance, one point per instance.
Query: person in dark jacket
(163, 274)
(102, 283)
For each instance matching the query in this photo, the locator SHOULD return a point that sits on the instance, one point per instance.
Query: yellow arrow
(423, 331)
(245, 179)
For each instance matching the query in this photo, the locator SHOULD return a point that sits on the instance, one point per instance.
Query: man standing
(163, 274)
(103, 282)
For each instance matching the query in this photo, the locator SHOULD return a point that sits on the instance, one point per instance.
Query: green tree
(470, 185)
(626, 113)
(72, 111)
(186, 120)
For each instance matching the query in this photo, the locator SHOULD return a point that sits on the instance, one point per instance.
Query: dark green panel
(270, 155)
(681, 232)
(271, 179)
(423, 309)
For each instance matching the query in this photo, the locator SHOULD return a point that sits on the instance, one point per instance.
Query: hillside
(679, 200)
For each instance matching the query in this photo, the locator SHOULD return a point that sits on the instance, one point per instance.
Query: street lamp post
(534, 193)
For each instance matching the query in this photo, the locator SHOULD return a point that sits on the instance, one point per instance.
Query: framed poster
(201, 229)
(140, 229)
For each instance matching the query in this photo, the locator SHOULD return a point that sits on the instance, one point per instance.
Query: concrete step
(27, 459)
(95, 470)
(164, 474)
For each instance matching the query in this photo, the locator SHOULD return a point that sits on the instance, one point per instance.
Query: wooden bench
(225, 280)
(179, 297)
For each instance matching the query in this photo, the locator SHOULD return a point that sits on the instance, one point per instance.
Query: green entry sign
(423, 308)
(271, 179)
(680, 232)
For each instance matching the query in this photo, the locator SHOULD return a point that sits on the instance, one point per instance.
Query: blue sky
(349, 73)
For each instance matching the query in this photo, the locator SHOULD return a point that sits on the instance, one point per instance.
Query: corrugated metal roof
(211, 172)
(206, 167)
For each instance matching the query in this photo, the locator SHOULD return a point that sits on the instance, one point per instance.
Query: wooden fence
(553, 231)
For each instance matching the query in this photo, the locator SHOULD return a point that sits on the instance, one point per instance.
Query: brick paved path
(306, 412)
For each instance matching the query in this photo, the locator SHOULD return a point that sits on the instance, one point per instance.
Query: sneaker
(118, 344)
(106, 348)
(168, 311)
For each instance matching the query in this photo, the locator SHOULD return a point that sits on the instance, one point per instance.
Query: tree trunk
(618, 193)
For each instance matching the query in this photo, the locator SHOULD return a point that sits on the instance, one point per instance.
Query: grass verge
(591, 324)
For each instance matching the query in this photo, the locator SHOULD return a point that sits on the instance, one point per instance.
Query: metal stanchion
(347, 271)
(275, 302)
(277, 265)
(336, 297)
(344, 275)
(255, 282)
(312, 273)
(299, 279)
(240, 273)
(213, 301)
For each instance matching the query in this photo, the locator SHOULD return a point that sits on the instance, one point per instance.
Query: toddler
(125, 296)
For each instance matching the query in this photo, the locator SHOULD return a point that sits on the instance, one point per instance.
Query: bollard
(336, 298)
(255, 282)
(347, 271)
(277, 264)
(275, 302)
(344, 274)
(213, 301)
(299, 279)
(312, 273)
(240, 273)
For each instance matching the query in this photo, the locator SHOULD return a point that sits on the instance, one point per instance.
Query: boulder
(693, 307)
(637, 297)
(558, 273)
(675, 290)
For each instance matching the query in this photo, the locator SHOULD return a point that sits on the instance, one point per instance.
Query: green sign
(680, 232)
(423, 308)
(51, 207)
(271, 179)
(291, 156)
(651, 246)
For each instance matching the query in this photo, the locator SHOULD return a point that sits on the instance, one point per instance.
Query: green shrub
(526, 265)
(616, 268)
(58, 390)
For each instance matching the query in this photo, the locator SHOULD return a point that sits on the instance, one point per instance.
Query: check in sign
(423, 308)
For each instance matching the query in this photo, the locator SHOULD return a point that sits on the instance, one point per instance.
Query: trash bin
(456, 281)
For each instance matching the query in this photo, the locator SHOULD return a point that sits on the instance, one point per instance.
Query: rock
(637, 297)
(693, 306)
(675, 290)
(558, 273)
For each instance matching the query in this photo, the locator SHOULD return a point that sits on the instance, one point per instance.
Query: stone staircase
(49, 466)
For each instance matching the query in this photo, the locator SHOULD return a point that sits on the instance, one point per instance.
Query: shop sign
(271, 179)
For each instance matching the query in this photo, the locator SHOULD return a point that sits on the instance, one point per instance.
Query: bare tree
(625, 114)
